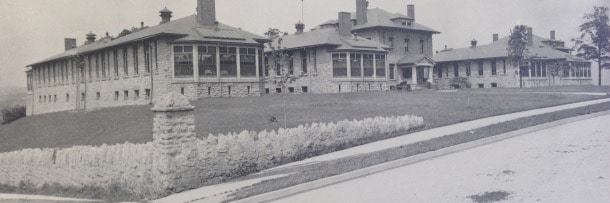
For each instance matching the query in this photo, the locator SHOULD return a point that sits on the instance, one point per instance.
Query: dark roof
(414, 59)
(498, 49)
(380, 18)
(328, 37)
(165, 10)
(185, 29)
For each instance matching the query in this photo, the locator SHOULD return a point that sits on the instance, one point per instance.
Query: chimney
(361, 11)
(345, 23)
(530, 36)
(206, 12)
(411, 11)
(90, 38)
(300, 27)
(70, 43)
(495, 37)
(552, 34)
(166, 15)
(473, 43)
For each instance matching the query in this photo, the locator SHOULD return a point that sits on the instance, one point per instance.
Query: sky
(31, 30)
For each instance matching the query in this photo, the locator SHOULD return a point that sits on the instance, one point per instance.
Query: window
(369, 65)
(421, 46)
(135, 59)
(247, 61)
(126, 95)
(278, 90)
(439, 71)
(407, 73)
(339, 65)
(262, 71)
(54, 98)
(136, 94)
(391, 41)
(98, 96)
(380, 65)
(291, 89)
(407, 40)
(456, 70)
(207, 61)
(504, 66)
(83, 96)
(40, 99)
(267, 91)
(480, 68)
(147, 58)
(493, 67)
(248, 89)
(228, 62)
(209, 91)
(392, 72)
(290, 64)
(481, 85)
(304, 89)
(125, 62)
(494, 84)
(45, 98)
(304, 61)
(355, 62)
(67, 97)
(115, 58)
(97, 66)
(543, 69)
(182, 90)
(183, 61)
(147, 92)
(116, 95)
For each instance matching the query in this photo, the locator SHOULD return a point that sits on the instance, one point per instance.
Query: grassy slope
(221, 115)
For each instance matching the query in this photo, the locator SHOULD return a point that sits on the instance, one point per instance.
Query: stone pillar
(431, 74)
(414, 75)
(174, 135)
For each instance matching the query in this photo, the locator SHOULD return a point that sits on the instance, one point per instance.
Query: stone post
(174, 137)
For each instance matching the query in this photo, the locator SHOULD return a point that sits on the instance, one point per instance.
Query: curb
(290, 191)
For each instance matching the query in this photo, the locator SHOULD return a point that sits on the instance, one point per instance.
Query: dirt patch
(490, 197)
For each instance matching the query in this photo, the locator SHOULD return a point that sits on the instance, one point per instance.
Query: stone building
(194, 55)
(487, 66)
(368, 50)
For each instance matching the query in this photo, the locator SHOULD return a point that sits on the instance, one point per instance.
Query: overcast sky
(32, 30)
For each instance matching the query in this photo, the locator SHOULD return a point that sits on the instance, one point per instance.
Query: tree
(557, 69)
(594, 43)
(279, 58)
(517, 49)
(12, 114)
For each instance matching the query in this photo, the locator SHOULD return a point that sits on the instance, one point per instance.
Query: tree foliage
(517, 48)
(13, 114)
(594, 41)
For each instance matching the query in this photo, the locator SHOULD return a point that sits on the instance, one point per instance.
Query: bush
(459, 82)
(10, 115)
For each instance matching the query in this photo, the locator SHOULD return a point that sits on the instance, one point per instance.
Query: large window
(247, 61)
(115, 54)
(125, 62)
(262, 71)
(439, 70)
(339, 65)
(228, 62)
(304, 61)
(103, 62)
(380, 65)
(494, 67)
(147, 58)
(356, 66)
(456, 70)
(207, 61)
(468, 68)
(391, 76)
(391, 41)
(369, 65)
(407, 40)
(97, 66)
(421, 46)
(480, 68)
(183, 61)
(135, 59)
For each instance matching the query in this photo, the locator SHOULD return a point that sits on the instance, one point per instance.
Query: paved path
(567, 163)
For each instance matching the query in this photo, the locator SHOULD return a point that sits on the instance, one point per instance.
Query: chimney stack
(300, 27)
(530, 36)
(411, 11)
(495, 37)
(206, 12)
(473, 43)
(345, 23)
(166, 15)
(361, 11)
(552, 34)
(90, 38)
(70, 43)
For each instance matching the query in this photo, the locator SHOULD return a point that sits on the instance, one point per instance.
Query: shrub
(459, 82)
(10, 115)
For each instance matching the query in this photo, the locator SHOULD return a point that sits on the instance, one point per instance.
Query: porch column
(431, 77)
(414, 74)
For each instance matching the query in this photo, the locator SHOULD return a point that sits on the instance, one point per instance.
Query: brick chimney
(300, 27)
(345, 23)
(69, 43)
(206, 12)
(166, 15)
(90, 38)
(473, 43)
(495, 37)
(530, 36)
(411, 11)
(552, 34)
(361, 12)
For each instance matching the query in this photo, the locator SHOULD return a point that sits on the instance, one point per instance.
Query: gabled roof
(498, 49)
(328, 37)
(416, 59)
(185, 29)
(381, 18)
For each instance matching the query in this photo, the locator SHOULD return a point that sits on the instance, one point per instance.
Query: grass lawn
(576, 88)
(221, 115)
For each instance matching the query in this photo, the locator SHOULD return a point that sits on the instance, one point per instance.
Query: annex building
(369, 50)
(196, 55)
(487, 66)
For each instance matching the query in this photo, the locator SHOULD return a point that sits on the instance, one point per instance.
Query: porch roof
(416, 59)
